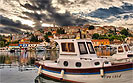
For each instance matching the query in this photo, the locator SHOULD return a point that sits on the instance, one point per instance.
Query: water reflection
(44, 79)
(25, 61)
(25, 58)
(105, 51)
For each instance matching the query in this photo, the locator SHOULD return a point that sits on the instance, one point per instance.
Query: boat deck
(53, 64)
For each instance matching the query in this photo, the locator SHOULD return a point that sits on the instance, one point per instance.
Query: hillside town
(66, 41)
(105, 35)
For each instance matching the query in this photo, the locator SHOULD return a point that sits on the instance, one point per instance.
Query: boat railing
(114, 62)
(126, 59)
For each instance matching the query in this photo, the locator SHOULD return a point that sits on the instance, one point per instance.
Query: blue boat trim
(87, 73)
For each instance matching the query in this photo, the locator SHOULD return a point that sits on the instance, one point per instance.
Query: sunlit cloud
(47, 25)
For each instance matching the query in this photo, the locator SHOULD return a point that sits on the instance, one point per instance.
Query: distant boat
(15, 50)
(123, 51)
(4, 49)
(78, 63)
(48, 48)
(40, 48)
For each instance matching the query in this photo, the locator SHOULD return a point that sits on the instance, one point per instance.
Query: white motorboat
(40, 48)
(79, 63)
(123, 51)
(4, 49)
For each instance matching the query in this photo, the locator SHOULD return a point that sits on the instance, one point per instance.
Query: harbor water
(18, 67)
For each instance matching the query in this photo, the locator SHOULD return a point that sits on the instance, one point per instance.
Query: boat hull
(119, 74)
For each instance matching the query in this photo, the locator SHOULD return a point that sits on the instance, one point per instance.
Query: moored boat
(78, 62)
(4, 49)
(40, 48)
(123, 53)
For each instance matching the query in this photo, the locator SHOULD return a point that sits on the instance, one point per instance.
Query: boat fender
(102, 72)
(130, 60)
(39, 69)
(44, 58)
(62, 74)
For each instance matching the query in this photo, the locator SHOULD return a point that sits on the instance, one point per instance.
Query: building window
(82, 48)
(120, 49)
(90, 47)
(78, 64)
(65, 63)
(97, 63)
(68, 47)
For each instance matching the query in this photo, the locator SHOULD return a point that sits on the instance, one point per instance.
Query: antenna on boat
(80, 34)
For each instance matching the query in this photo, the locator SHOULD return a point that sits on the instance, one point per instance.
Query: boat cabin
(78, 53)
(122, 51)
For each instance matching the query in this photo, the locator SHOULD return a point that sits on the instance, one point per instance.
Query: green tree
(124, 32)
(15, 42)
(47, 39)
(49, 33)
(34, 38)
(2, 44)
(95, 36)
(111, 38)
(60, 31)
(41, 30)
(102, 37)
(7, 44)
(109, 35)
(91, 27)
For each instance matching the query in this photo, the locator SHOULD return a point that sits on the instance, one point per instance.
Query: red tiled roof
(50, 37)
(23, 42)
(34, 42)
(13, 44)
(100, 40)
(25, 39)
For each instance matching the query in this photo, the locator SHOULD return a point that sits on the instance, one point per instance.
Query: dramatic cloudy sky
(18, 15)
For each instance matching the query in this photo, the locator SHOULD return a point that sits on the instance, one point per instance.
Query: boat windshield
(125, 47)
(120, 49)
(82, 48)
(67, 47)
(128, 47)
(90, 47)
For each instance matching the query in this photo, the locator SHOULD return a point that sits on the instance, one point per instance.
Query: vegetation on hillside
(112, 35)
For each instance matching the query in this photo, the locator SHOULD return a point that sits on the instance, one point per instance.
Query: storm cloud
(10, 30)
(111, 11)
(9, 22)
(61, 19)
(12, 25)
(64, 2)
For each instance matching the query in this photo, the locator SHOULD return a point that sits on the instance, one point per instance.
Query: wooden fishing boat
(79, 63)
